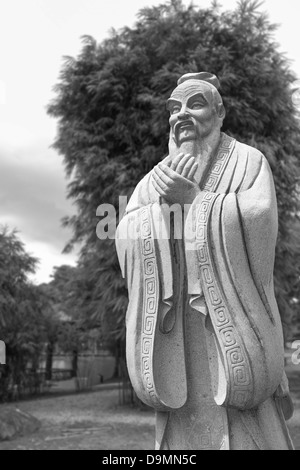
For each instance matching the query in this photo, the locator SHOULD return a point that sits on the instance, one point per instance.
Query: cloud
(35, 195)
(49, 257)
(33, 198)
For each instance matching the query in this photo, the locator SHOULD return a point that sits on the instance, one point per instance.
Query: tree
(72, 331)
(112, 127)
(63, 329)
(21, 307)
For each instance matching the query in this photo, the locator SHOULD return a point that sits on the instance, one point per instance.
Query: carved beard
(202, 149)
(189, 146)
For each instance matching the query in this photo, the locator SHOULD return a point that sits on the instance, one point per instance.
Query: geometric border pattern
(220, 162)
(237, 367)
(150, 304)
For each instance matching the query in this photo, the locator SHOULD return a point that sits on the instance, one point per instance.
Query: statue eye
(197, 105)
(175, 109)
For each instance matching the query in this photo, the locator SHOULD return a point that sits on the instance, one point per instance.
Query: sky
(34, 36)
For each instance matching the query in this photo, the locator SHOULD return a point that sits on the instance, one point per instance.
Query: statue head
(196, 108)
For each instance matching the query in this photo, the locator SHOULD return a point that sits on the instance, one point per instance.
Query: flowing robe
(204, 336)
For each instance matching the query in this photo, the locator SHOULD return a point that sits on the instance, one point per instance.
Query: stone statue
(204, 338)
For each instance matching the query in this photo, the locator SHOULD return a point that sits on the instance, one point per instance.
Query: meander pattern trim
(150, 305)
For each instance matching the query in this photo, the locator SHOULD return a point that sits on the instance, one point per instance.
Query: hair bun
(204, 76)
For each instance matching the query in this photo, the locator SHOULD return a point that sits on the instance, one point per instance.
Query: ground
(94, 420)
(85, 421)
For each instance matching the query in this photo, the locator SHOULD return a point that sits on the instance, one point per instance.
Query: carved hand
(174, 179)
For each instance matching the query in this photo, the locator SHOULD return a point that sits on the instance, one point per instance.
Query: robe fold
(204, 336)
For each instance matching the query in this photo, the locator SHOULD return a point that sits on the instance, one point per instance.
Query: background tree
(64, 334)
(22, 325)
(73, 331)
(113, 127)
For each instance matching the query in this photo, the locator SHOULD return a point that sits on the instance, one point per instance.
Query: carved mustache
(182, 124)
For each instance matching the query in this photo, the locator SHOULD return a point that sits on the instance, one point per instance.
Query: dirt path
(86, 422)
(94, 421)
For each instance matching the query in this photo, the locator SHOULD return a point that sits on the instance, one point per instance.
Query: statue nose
(183, 115)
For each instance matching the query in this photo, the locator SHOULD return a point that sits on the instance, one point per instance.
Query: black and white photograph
(149, 227)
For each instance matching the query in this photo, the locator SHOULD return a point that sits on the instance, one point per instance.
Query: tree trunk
(120, 356)
(49, 360)
(35, 375)
(75, 363)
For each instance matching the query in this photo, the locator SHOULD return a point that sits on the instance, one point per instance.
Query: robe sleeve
(231, 239)
(154, 320)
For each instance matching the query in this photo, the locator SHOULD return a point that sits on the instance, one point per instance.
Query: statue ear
(221, 111)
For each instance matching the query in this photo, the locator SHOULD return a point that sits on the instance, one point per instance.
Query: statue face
(192, 109)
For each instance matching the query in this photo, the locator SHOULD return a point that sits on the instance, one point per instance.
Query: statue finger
(174, 178)
(164, 173)
(182, 163)
(192, 172)
(188, 166)
(158, 188)
(167, 161)
(159, 182)
(176, 160)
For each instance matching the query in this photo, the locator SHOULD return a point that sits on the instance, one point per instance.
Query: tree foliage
(66, 294)
(113, 126)
(22, 325)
